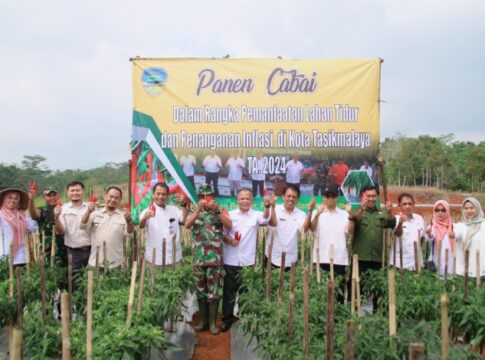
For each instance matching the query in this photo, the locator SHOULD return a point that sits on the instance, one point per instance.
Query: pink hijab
(441, 228)
(16, 219)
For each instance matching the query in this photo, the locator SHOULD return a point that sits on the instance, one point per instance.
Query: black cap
(331, 188)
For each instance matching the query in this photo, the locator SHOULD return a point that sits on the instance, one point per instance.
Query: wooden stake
(89, 317)
(306, 333)
(53, 246)
(97, 261)
(331, 261)
(174, 251)
(291, 303)
(416, 351)
(401, 255)
(16, 352)
(141, 287)
(66, 343)
(105, 258)
(416, 259)
(10, 271)
(164, 253)
(391, 278)
(444, 302)
(42, 288)
(465, 280)
(330, 317)
(477, 275)
(282, 277)
(349, 341)
(20, 302)
(131, 294)
(69, 282)
(268, 270)
(152, 269)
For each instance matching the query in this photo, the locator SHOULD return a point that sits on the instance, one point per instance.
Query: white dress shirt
(293, 171)
(412, 231)
(164, 225)
(188, 164)
(247, 224)
(235, 168)
(70, 218)
(259, 174)
(212, 164)
(285, 235)
(332, 229)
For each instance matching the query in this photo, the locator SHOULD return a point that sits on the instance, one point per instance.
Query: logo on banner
(153, 80)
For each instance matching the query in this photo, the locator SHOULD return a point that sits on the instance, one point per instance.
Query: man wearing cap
(321, 173)
(207, 223)
(240, 248)
(162, 224)
(15, 225)
(46, 221)
(107, 226)
(331, 226)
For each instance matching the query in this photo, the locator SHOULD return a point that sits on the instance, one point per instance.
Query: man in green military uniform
(207, 223)
(45, 219)
(367, 227)
(321, 173)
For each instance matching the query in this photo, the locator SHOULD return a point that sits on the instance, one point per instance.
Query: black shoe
(226, 325)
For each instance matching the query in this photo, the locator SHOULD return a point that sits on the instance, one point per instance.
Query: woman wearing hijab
(14, 224)
(440, 234)
(470, 235)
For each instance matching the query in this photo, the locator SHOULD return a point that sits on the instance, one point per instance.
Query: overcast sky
(65, 78)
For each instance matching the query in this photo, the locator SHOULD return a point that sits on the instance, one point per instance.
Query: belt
(82, 248)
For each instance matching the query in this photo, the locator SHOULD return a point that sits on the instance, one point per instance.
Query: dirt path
(212, 347)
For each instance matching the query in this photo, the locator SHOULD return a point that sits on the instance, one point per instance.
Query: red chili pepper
(33, 186)
(93, 198)
(224, 211)
(127, 206)
(59, 202)
(237, 236)
(153, 208)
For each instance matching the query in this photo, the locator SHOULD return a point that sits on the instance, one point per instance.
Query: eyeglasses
(440, 210)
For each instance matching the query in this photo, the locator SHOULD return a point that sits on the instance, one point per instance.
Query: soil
(212, 347)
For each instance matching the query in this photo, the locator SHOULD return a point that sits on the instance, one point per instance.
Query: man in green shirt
(367, 227)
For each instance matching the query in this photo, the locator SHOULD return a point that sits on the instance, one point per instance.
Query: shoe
(213, 309)
(203, 315)
(226, 325)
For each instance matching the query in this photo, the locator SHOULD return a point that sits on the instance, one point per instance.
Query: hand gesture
(403, 218)
(348, 208)
(311, 205)
(451, 234)
(127, 214)
(272, 200)
(202, 204)
(58, 208)
(266, 202)
(321, 209)
(91, 206)
(388, 205)
(429, 229)
(32, 195)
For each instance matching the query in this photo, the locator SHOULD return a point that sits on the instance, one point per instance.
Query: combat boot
(213, 309)
(203, 315)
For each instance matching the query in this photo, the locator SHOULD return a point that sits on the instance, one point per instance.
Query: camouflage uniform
(321, 172)
(46, 223)
(207, 252)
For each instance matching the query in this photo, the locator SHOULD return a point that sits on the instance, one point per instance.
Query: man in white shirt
(294, 171)
(410, 229)
(240, 248)
(188, 162)
(107, 225)
(236, 167)
(331, 227)
(258, 175)
(212, 165)
(162, 225)
(367, 168)
(285, 225)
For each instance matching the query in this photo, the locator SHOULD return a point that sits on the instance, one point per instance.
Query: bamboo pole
(306, 330)
(330, 318)
(416, 351)
(477, 263)
(291, 303)
(394, 250)
(152, 269)
(332, 276)
(282, 277)
(97, 261)
(391, 278)
(465, 279)
(66, 343)
(131, 294)
(42, 288)
(53, 246)
(417, 267)
(174, 251)
(164, 253)
(268, 270)
(349, 341)
(141, 287)
(16, 351)
(89, 317)
(20, 302)
(444, 302)
(69, 282)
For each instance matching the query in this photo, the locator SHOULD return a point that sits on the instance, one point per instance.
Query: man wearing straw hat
(107, 226)
(44, 216)
(15, 225)
(240, 248)
(207, 223)
(162, 223)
